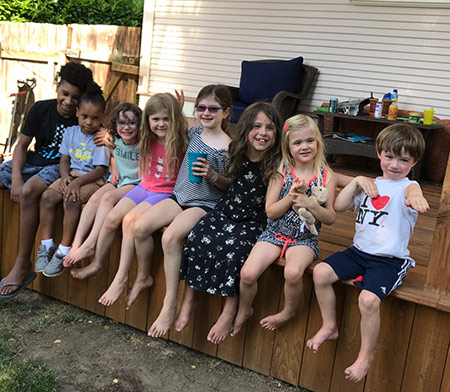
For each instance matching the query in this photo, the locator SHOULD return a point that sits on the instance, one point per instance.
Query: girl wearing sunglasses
(180, 212)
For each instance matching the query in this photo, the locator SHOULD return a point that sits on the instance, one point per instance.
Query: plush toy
(320, 194)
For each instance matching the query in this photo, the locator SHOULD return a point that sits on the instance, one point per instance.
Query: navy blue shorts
(378, 274)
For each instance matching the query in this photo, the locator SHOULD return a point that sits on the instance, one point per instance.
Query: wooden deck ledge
(412, 290)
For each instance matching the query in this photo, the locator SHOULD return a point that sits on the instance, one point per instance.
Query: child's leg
(222, 328)
(172, 240)
(262, 255)
(99, 208)
(324, 277)
(49, 201)
(297, 260)
(188, 305)
(105, 239)
(72, 211)
(86, 220)
(126, 253)
(369, 305)
(29, 220)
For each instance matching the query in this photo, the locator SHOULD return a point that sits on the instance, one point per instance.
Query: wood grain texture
(428, 351)
(259, 341)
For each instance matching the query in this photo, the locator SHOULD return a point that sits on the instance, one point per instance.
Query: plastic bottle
(393, 108)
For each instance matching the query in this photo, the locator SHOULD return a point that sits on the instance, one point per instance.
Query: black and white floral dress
(219, 244)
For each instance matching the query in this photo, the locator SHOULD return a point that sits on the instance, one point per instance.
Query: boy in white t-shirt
(83, 168)
(379, 258)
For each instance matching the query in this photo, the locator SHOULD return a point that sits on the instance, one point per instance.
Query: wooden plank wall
(413, 353)
(35, 50)
(357, 49)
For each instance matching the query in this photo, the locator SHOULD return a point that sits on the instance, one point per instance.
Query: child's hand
(104, 138)
(417, 202)
(114, 180)
(303, 201)
(297, 188)
(367, 185)
(180, 97)
(202, 168)
(72, 191)
(16, 190)
(65, 181)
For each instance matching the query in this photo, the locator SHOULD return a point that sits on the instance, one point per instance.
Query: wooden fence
(34, 50)
(413, 353)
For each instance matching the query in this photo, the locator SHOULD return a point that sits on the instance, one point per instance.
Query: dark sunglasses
(213, 109)
(130, 123)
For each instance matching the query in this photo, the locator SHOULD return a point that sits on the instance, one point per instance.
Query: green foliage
(108, 12)
(29, 375)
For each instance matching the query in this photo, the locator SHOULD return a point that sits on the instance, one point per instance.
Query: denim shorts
(49, 174)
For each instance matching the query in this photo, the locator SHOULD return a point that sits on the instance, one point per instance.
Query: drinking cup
(193, 157)
(428, 116)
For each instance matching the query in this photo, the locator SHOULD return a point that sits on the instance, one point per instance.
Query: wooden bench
(413, 352)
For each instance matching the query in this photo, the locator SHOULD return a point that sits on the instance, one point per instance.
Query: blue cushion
(237, 108)
(260, 81)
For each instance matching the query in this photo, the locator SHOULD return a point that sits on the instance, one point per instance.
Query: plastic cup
(428, 116)
(193, 157)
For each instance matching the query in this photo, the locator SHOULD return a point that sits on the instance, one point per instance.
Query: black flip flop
(21, 286)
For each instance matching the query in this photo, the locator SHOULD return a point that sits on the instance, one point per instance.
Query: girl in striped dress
(286, 235)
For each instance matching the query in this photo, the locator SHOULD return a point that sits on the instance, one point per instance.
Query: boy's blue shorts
(49, 174)
(378, 274)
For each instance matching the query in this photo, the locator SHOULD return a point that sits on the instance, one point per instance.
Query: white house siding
(357, 49)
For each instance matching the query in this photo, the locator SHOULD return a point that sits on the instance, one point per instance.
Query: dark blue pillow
(260, 81)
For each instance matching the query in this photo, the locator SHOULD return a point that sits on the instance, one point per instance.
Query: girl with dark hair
(83, 169)
(221, 241)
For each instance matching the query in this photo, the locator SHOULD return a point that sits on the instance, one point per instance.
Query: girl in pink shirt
(163, 141)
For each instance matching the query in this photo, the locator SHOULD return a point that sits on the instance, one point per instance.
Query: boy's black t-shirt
(44, 123)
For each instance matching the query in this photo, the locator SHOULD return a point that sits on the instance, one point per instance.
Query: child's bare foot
(162, 324)
(239, 321)
(322, 335)
(358, 370)
(276, 320)
(113, 293)
(76, 255)
(221, 329)
(183, 317)
(85, 272)
(138, 286)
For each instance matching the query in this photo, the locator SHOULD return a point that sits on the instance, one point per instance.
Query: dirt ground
(92, 353)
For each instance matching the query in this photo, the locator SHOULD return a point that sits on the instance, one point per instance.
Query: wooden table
(341, 147)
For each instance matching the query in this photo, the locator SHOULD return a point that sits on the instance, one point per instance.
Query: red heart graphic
(380, 201)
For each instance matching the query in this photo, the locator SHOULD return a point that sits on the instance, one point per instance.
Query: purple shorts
(139, 195)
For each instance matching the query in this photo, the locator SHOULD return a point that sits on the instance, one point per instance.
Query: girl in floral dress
(219, 244)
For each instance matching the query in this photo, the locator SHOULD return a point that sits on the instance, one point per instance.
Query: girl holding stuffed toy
(287, 235)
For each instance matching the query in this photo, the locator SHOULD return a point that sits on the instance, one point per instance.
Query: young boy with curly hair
(379, 258)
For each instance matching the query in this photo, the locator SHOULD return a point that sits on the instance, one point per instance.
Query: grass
(18, 374)
(21, 374)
